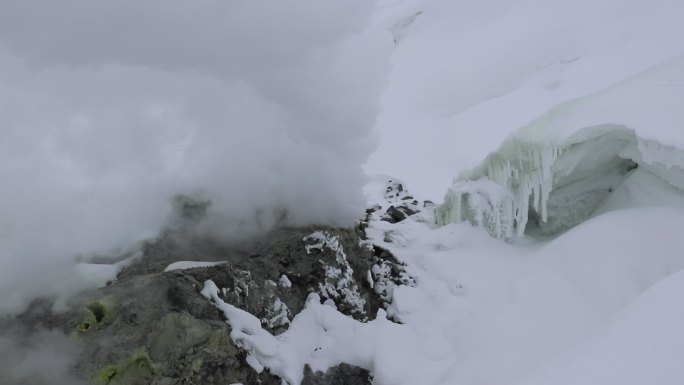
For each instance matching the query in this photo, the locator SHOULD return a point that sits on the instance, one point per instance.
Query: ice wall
(556, 171)
(543, 188)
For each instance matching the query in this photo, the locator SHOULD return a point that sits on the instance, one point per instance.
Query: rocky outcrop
(154, 327)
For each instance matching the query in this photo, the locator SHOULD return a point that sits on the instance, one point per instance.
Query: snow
(322, 337)
(181, 265)
(483, 311)
(562, 125)
(278, 314)
(81, 276)
(560, 185)
(284, 281)
(567, 143)
(600, 136)
(553, 130)
(467, 75)
(339, 281)
(643, 344)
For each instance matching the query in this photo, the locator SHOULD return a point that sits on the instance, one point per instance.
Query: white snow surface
(468, 74)
(642, 345)
(181, 265)
(562, 125)
(489, 312)
(541, 110)
(284, 281)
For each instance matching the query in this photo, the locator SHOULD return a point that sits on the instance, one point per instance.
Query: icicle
(520, 170)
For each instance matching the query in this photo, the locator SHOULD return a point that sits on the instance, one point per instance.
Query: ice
(566, 141)
(467, 74)
(548, 177)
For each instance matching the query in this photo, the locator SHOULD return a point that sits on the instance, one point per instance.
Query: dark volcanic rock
(154, 327)
(341, 375)
(396, 214)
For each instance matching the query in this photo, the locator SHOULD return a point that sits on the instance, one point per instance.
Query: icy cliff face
(556, 171)
(544, 188)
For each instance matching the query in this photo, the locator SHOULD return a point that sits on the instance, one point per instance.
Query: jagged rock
(396, 214)
(154, 327)
(398, 202)
(386, 274)
(340, 375)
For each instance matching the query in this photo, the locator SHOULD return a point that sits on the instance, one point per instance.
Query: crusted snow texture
(543, 187)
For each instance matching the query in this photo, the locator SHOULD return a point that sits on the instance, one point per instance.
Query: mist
(109, 109)
(43, 358)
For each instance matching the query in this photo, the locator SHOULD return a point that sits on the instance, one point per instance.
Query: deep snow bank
(556, 171)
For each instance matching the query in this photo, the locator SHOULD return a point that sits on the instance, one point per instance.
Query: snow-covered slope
(556, 256)
(472, 73)
(642, 345)
(561, 166)
(563, 125)
(577, 108)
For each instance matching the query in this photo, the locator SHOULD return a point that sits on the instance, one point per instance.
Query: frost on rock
(386, 274)
(338, 284)
(541, 186)
(277, 315)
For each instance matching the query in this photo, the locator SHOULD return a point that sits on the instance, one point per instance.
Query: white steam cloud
(41, 358)
(108, 108)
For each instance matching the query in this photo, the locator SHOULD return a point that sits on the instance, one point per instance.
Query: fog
(108, 109)
(43, 358)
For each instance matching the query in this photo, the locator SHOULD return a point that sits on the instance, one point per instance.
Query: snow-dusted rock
(154, 317)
